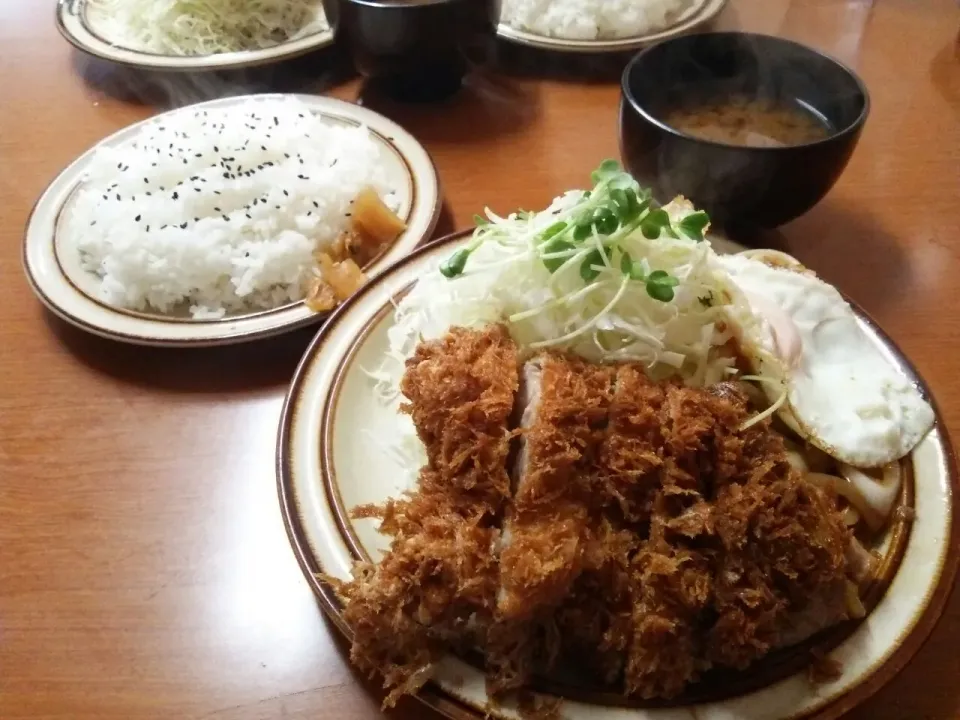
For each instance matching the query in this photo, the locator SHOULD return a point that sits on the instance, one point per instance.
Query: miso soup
(749, 122)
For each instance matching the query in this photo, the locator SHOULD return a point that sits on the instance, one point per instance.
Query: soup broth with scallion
(749, 122)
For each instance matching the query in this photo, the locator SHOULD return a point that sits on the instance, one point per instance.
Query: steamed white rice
(593, 19)
(220, 210)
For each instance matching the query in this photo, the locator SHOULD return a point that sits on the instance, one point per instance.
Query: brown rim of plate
(226, 61)
(227, 339)
(878, 676)
(160, 317)
(706, 11)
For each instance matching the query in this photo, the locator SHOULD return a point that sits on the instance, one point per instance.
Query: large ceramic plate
(697, 14)
(53, 264)
(328, 462)
(74, 23)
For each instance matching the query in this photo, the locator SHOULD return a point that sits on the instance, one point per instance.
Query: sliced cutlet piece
(672, 585)
(461, 394)
(674, 574)
(547, 526)
(631, 455)
(440, 578)
(782, 570)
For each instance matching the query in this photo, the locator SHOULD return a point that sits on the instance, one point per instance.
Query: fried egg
(842, 394)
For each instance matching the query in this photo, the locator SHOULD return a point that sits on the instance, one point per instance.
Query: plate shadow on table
(488, 106)
(521, 61)
(266, 364)
(845, 247)
(445, 224)
(311, 73)
(944, 73)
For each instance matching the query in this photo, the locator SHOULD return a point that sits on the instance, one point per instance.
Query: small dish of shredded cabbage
(204, 27)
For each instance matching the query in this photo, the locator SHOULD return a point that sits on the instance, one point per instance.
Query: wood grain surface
(144, 569)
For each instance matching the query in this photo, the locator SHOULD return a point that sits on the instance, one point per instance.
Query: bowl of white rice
(213, 216)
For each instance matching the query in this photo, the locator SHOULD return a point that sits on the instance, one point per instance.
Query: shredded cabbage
(204, 27)
(612, 296)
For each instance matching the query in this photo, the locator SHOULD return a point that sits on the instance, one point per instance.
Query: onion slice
(879, 494)
(874, 499)
(851, 493)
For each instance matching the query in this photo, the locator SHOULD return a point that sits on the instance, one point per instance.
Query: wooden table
(144, 569)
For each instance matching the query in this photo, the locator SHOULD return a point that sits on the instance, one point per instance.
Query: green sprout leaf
(607, 170)
(587, 271)
(555, 245)
(627, 205)
(555, 229)
(654, 223)
(454, 265)
(480, 220)
(605, 221)
(693, 225)
(582, 231)
(660, 285)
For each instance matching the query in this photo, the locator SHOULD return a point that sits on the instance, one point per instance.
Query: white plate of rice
(201, 226)
(592, 26)
(185, 35)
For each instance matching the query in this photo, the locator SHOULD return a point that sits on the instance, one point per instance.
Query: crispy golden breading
(436, 588)
(460, 391)
(630, 456)
(546, 528)
(644, 535)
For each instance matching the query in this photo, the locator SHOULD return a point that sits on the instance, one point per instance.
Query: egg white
(843, 394)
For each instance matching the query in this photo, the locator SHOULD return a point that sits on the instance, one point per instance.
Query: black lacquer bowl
(415, 49)
(738, 185)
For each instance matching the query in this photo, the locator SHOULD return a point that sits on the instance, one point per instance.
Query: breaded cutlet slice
(783, 571)
(547, 525)
(674, 568)
(440, 572)
(743, 555)
(436, 587)
(460, 391)
(631, 453)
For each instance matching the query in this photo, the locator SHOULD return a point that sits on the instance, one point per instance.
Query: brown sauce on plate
(751, 123)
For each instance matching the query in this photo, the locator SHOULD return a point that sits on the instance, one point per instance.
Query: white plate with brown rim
(53, 264)
(79, 26)
(698, 13)
(328, 462)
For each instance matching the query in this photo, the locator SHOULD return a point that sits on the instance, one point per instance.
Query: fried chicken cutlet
(644, 534)
(436, 588)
